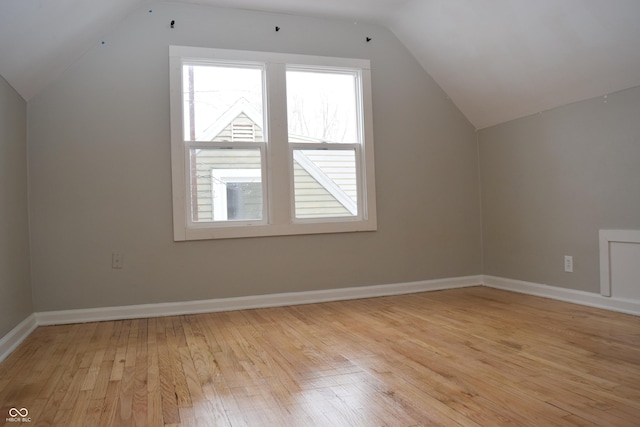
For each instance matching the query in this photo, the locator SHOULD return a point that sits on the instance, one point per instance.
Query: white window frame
(277, 152)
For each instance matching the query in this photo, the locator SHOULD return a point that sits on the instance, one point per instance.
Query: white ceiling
(497, 59)
(503, 59)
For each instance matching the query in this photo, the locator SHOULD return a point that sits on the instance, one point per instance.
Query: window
(237, 194)
(269, 144)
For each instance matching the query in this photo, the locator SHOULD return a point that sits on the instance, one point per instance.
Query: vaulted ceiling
(497, 59)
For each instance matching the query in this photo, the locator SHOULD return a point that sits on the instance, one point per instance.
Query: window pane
(226, 185)
(321, 107)
(222, 103)
(242, 200)
(325, 183)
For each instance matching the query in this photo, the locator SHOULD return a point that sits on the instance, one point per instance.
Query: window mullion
(278, 152)
(226, 144)
(323, 146)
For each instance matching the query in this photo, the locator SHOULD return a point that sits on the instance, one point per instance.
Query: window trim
(277, 151)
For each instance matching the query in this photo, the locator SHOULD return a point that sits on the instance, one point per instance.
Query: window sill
(262, 230)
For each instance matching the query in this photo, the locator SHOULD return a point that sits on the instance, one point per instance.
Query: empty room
(329, 213)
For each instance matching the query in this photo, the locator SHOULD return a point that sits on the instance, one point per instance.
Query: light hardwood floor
(470, 357)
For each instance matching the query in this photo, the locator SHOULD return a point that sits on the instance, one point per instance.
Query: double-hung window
(269, 144)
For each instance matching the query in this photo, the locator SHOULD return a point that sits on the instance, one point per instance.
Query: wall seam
(29, 216)
(480, 203)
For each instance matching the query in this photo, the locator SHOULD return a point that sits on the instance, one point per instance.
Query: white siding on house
(312, 199)
(242, 128)
(339, 166)
(324, 180)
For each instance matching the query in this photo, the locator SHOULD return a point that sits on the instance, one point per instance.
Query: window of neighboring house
(237, 194)
(270, 144)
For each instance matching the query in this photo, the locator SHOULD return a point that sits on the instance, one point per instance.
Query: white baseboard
(590, 299)
(257, 301)
(11, 340)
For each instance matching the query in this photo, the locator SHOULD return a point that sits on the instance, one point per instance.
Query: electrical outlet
(116, 260)
(568, 264)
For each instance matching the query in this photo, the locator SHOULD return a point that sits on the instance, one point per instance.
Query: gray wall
(16, 302)
(551, 181)
(100, 173)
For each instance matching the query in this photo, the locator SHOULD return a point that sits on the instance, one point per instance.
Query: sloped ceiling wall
(503, 59)
(39, 39)
(497, 59)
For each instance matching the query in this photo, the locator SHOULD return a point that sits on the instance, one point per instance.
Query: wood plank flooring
(468, 357)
